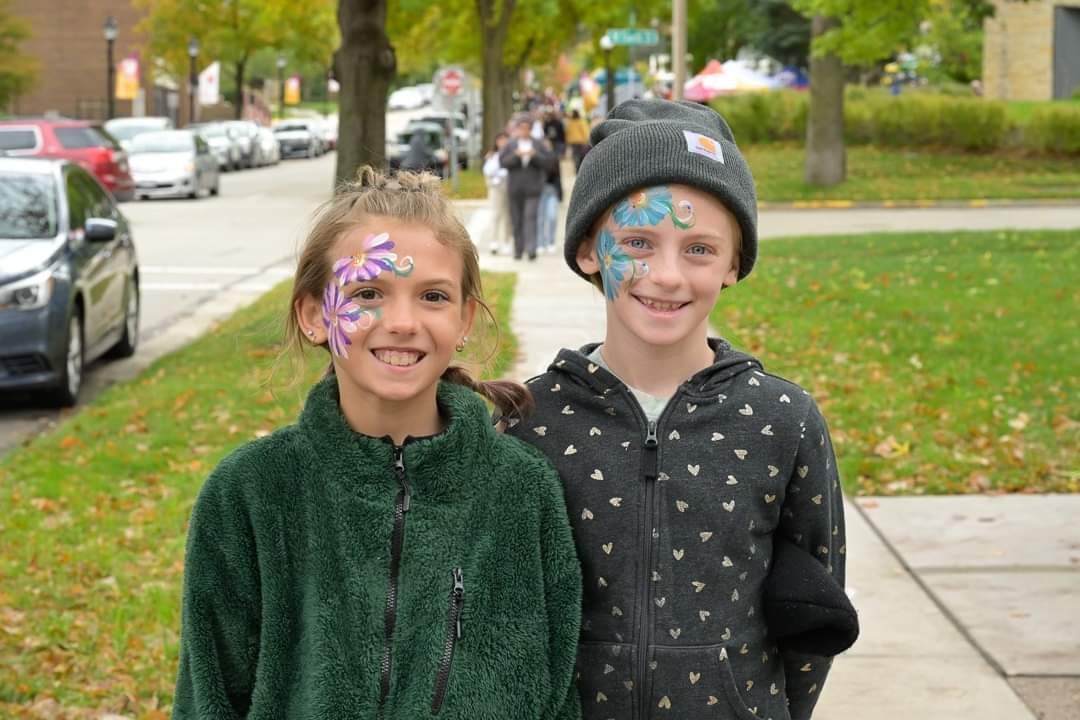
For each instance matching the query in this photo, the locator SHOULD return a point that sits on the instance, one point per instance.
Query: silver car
(127, 128)
(271, 155)
(173, 163)
(223, 144)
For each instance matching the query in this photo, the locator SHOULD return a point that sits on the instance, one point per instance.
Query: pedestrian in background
(527, 162)
(390, 554)
(548, 212)
(495, 176)
(577, 136)
(555, 132)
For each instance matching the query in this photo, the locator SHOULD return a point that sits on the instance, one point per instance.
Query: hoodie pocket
(605, 680)
(697, 683)
(453, 634)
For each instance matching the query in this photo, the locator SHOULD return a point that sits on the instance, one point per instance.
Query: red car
(76, 140)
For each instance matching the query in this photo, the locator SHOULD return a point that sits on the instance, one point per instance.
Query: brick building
(68, 41)
(1031, 50)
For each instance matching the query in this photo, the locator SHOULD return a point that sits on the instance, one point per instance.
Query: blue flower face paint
(643, 207)
(617, 268)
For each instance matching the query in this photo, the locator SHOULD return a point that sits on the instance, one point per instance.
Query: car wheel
(310, 151)
(66, 393)
(130, 339)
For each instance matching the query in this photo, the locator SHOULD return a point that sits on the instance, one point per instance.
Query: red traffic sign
(451, 81)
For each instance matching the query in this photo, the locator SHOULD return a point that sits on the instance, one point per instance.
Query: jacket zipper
(453, 634)
(650, 464)
(397, 540)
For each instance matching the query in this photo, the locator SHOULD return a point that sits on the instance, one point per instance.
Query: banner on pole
(292, 90)
(210, 84)
(127, 79)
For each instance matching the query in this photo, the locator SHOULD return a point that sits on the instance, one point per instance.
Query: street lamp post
(281, 85)
(609, 77)
(193, 78)
(111, 28)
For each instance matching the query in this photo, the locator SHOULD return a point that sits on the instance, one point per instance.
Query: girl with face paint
(390, 555)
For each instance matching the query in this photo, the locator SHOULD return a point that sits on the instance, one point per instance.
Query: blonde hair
(411, 197)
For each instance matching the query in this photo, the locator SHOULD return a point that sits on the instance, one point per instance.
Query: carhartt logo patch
(702, 145)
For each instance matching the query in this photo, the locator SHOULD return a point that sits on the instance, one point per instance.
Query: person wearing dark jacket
(703, 490)
(528, 162)
(419, 156)
(390, 555)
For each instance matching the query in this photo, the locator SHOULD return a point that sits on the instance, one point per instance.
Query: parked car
(434, 136)
(268, 144)
(246, 134)
(69, 277)
(328, 131)
(406, 98)
(75, 140)
(468, 144)
(224, 146)
(296, 138)
(124, 129)
(173, 163)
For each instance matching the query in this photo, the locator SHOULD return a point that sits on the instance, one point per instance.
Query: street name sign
(633, 36)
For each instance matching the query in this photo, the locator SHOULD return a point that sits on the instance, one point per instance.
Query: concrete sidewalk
(939, 640)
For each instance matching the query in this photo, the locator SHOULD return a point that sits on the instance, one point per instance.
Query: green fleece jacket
(334, 575)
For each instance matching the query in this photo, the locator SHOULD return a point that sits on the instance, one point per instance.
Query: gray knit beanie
(643, 143)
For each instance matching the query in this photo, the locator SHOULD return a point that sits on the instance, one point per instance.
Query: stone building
(1031, 50)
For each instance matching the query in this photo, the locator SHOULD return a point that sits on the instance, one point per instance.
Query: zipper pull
(399, 468)
(459, 596)
(651, 440)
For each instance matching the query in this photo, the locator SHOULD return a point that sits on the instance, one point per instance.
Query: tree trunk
(238, 104)
(826, 161)
(498, 80)
(364, 65)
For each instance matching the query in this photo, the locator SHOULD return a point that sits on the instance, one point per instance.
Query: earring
(461, 343)
(310, 333)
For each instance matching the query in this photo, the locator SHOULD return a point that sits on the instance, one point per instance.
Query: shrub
(1054, 128)
(913, 119)
(765, 117)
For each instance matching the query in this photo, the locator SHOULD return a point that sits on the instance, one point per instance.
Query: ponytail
(512, 400)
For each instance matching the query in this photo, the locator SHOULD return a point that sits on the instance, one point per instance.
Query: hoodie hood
(727, 363)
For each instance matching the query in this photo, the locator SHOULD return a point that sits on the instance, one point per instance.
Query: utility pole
(678, 47)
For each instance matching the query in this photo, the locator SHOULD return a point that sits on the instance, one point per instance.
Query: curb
(919, 204)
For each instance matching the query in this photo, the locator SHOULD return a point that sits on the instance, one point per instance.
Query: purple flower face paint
(373, 260)
(342, 317)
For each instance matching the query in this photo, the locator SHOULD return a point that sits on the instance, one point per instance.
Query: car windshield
(78, 138)
(27, 206)
(162, 142)
(129, 130)
(290, 127)
(209, 131)
(458, 122)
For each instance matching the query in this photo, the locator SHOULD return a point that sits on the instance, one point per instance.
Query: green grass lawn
(471, 185)
(944, 363)
(876, 174)
(94, 514)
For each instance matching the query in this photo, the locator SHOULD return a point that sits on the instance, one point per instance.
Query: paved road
(199, 258)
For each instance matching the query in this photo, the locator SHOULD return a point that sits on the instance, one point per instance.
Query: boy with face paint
(703, 491)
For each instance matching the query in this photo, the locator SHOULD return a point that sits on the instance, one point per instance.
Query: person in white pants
(495, 176)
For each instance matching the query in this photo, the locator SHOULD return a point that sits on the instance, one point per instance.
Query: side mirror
(100, 229)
